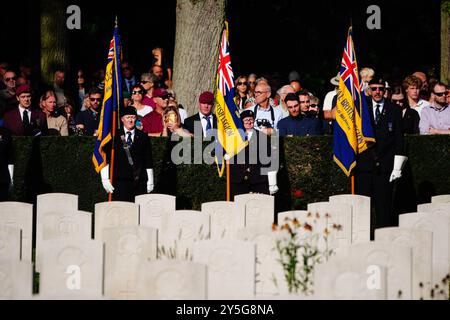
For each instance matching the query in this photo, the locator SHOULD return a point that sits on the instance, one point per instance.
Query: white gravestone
(171, 280)
(349, 279)
(10, 243)
(439, 225)
(114, 214)
(19, 215)
(270, 279)
(225, 219)
(445, 198)
(421, 242)
(328, 214)
(16, 279)
(152, 207)
(360, 215)
(180, 230)
(440, 208)
(397, 259)
(125, 249)
(76, 225)
(259, 209)
(71, 269)
(231, 268)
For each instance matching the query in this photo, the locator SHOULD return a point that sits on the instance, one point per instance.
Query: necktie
(129, 141)
(26, 119)
(208, 124)
(377, 113)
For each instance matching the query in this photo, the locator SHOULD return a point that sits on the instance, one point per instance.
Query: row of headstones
(411, 261)
(265, 267)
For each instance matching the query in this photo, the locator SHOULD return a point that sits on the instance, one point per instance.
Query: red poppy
(298, 193)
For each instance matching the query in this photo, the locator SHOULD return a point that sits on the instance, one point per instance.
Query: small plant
(173, 252)
(298, 247)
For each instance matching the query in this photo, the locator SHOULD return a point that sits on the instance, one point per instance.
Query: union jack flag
(225, 72)
(230, 130)
(353, 132)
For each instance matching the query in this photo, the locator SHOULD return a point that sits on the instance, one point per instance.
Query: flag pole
(228, 181)
(114, 120)
(353, 183)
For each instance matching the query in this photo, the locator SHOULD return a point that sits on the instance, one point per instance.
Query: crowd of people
(413, 105)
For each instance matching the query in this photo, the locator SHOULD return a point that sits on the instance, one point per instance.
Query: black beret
(247, 113)
(128, 111)
(379, 81)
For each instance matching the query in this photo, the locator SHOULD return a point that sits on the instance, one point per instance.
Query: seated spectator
(137, 95)
(281, 94)
(435, 118)
(56, 123)
(159, 59)
(148, 83)
(241, 94)
(23, 120)
(152, 123)
(251, 80)
(88, 120)
(299, 122)
(172, 123)
(8, 99)
(410, 117)
(411, 85)
(204, 119)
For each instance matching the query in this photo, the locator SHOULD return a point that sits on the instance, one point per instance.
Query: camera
(263, 123)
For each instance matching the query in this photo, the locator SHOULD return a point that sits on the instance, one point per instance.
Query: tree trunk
(53, 39)
(197, 41)
(445, 41)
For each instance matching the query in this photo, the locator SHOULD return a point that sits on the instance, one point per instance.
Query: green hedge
(63, 164)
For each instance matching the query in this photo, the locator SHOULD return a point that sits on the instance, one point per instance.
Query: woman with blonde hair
(56, 122)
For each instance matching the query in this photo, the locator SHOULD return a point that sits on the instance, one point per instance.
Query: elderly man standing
(22, 120)
(435, 118)
(133, 168)
(266, 116)
(205, 116)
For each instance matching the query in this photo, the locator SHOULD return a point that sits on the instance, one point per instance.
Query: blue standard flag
(353, 132)
(111, 101)
(230, 130)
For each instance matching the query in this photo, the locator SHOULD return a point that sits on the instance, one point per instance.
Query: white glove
(105, 180)
(399, 163)
(273, 188)
(150, 185)
(11, 174)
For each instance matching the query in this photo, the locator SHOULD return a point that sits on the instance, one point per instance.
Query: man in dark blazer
(133, 164)
(6, 163)
(246, 168)
(203, 120)
(23, 121)
(381, 164)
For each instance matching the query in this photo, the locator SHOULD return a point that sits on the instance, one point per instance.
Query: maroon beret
(206, 97)
(160, 93)
(23, 89)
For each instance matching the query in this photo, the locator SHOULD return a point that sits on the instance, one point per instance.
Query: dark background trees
(267, 36)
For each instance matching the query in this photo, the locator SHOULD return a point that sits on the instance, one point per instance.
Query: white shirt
(144, 111)
(22, 110)
(266, 114)
(328, 101)
(183, 114)
(421, 104)
(381, 104)
(249, 134)
(203, 120)
(126, 134)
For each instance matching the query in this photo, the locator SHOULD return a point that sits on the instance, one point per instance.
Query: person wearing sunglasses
(148, 81)
(137, 95)
(242, 95)
(8, 95)
(410, 117)
(88, 119)
(435, 118)
(383, 162)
